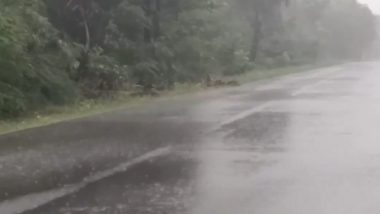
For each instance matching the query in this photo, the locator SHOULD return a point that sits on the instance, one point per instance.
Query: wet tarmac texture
(162, 185)
(305, 143)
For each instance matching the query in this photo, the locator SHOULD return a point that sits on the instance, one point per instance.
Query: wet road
(306, 143)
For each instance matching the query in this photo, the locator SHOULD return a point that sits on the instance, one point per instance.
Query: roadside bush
(12, 101)
(104, 77)
(33, 66)
(238, 63)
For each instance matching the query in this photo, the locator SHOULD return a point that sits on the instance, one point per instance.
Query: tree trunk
(257, 28)
(152, 10)
(88, 36)
(148, 13)
(86, 30)
(84, 60)
(156, 22)
(177, 9)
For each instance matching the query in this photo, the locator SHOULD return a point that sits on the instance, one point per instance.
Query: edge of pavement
(9, 206)
(135, 103)
(32, 201)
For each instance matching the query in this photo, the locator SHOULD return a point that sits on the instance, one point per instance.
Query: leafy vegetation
(55, 52)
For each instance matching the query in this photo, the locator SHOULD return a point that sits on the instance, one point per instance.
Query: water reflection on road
(310, 145)
(189, 180)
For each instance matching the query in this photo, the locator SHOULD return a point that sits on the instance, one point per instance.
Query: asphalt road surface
(307, 143)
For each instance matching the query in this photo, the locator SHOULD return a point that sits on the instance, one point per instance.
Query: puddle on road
(191, 181)
(187, 181)
(265, 131)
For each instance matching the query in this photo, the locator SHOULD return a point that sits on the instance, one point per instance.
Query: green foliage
(32, 66)
(105, 76)
(325, 29)
(12, 101)
(55, 51)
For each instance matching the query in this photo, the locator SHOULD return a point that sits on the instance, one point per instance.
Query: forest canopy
(54, 52)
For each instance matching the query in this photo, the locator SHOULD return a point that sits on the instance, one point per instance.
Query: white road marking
(302, 90)
(245, 114)
(32, 201)
(305, 89)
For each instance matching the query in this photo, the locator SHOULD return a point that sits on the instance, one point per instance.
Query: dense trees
(261, 14)
(330, 29)
(57, 51)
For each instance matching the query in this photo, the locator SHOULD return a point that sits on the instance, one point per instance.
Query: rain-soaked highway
(307, 143)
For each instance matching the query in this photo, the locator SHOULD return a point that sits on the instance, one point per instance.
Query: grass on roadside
(262, 74)
(51, 115)
(84, 108)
